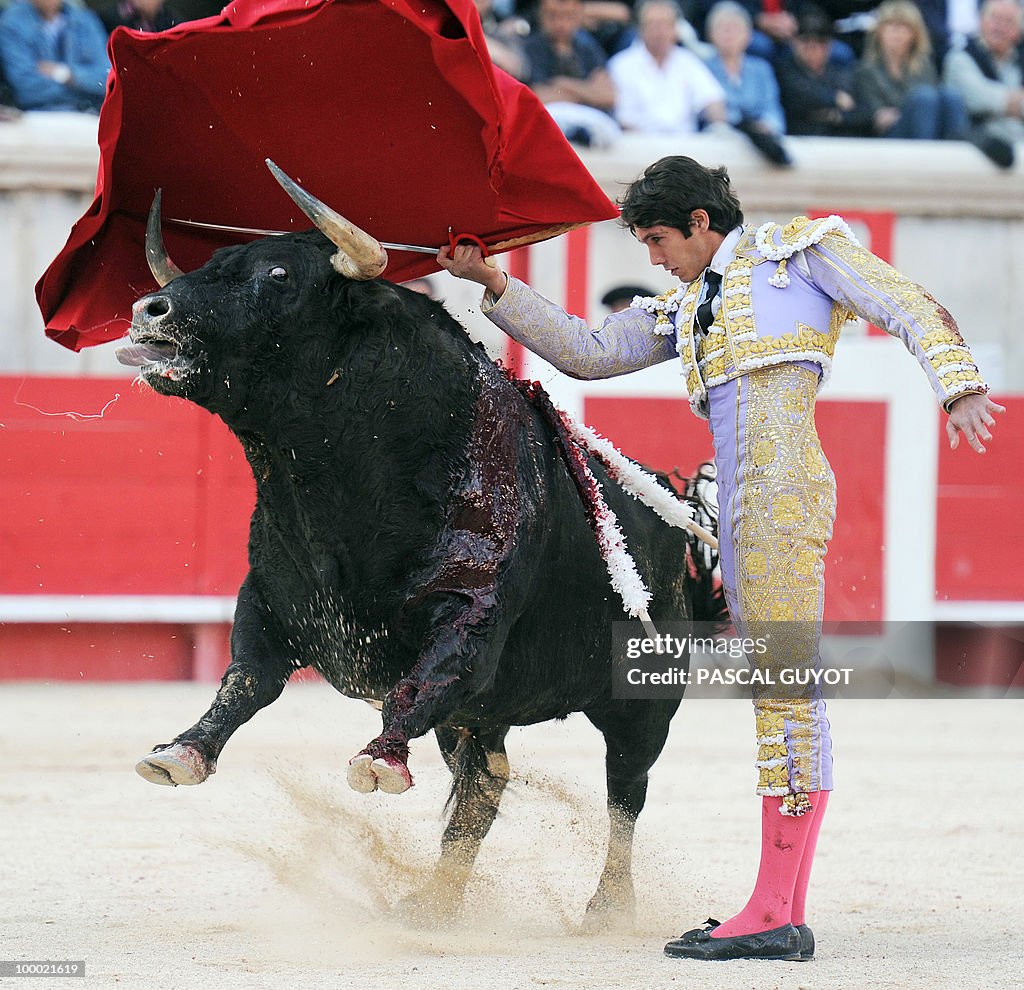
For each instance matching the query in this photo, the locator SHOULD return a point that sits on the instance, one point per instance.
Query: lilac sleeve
(625, 342)
(878, 293)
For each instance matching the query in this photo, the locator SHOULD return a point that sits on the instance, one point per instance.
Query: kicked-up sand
(275, 874)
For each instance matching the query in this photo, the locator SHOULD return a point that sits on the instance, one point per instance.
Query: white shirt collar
(726, 251)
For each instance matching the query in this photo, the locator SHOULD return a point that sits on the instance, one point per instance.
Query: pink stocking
(784, 841)
(803, 877)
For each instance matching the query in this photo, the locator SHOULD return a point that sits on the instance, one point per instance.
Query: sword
(453, 238)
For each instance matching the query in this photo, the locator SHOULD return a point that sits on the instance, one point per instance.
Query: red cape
(390, 111)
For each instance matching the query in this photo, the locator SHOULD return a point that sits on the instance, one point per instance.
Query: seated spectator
(851, 21)
(773, 25)
(568, 73)
(54, 55)
(751, 92)
(610, 22)
(897, 84)
(660, 87)
(988, 72)
(816, 89)
(504, 39)
(776, 22)
(139, 15)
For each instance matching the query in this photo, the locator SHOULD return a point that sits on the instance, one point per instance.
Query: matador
(754, 321)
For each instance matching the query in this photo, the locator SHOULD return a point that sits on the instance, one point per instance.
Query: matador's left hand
(971, 415)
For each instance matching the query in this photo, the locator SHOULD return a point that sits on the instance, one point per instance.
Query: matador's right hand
(467, 261)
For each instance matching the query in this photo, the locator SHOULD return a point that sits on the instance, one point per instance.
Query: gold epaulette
(779, 243)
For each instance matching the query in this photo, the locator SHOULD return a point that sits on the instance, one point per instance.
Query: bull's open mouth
(147, 352)
(158, 357)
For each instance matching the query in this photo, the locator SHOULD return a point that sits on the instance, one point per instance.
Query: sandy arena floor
(274, 874)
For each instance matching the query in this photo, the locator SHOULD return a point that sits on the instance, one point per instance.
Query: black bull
(417, 538)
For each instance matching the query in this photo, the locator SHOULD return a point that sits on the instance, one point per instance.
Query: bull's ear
(164, 270)
(370, 304)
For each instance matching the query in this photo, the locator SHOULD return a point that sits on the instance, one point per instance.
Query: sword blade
(262, 232)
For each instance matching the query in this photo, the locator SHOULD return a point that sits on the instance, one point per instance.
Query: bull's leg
(257, 674)
(464, 642)
(479, 766)
(635, 733)
(462, 588)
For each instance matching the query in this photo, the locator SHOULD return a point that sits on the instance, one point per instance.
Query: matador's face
(683, 257)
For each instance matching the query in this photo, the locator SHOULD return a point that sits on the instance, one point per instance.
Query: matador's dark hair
(672, 188)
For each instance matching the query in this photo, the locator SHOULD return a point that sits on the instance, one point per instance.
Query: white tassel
(622, 570)
(634, 479)
(639, 483)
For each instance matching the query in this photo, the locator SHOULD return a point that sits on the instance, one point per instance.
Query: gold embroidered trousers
(776, 496)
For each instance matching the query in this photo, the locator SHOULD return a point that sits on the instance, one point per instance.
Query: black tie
(712, 283)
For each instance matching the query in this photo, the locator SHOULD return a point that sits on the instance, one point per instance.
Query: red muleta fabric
(389, 111)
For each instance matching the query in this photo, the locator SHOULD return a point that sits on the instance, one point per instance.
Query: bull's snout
(151, 311)
(153, 340)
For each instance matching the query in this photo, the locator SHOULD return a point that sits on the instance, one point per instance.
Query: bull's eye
(278, 274)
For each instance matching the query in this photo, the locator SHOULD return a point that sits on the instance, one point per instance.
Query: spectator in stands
(772, 23)
(504, 39)
(610, 22)
(751, 92)
(660, 87)
(54, 55)
(568, 72)
(139, 15)
(851, 20)
(817, 91)
(896, 82)
(989, 72)
(774, 20)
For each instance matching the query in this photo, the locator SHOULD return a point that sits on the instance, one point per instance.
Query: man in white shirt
(988, 72)
(660, 87)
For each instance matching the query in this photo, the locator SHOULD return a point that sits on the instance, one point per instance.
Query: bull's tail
(473, 777)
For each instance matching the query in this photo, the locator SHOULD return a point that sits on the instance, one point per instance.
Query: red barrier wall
(152, 497)
(980, 526)
(141, 495)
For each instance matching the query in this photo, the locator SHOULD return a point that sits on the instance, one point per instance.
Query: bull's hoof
(365, 774)
(610, 914)
(177, 764)
(430, 907)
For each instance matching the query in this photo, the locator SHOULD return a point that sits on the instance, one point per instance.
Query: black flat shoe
(778, 943)
(806, 943)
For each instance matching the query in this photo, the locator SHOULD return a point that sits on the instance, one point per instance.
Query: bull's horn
(160, 264)
(360, 256)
